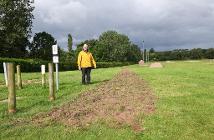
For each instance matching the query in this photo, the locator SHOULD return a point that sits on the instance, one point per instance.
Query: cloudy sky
(163, 24)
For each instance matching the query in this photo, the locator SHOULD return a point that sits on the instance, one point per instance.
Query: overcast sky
(163, 24)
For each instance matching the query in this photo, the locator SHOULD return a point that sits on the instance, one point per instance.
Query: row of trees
(183, 54)
(111, 46)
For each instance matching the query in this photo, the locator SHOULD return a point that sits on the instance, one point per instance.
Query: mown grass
(184, 108)
(185, 100)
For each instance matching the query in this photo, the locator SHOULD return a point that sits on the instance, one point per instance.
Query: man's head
(85, 47)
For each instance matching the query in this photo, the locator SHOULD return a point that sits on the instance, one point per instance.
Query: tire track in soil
(119, 101)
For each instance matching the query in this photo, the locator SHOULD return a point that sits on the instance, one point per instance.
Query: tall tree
(70, 53)
(196, 53)
(152, 50)
(112, 46)
(134, 53)
(70, 43)
(15, 27)
(41, 46)
(210, 53)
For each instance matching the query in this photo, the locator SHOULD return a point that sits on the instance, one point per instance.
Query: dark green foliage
(63, 55)
(133, 53)
(70, 43)
(152, 50)
(196, 53)
(210, 53)
(70, 54)
(112, 46)
(183, 54)
(15, 26)
(27, 65)
(41, 46)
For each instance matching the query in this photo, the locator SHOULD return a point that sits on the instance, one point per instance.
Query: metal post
(143, 51)
(57, 76)
(148, 56)
(5, 73)
(11, 88)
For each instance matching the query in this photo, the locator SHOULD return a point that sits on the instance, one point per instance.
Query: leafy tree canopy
(112, 46)
(41, 46)
(15, 27)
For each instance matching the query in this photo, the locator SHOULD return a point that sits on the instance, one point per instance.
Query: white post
(43, 69)
(57, 76)
(5, 73)
(43, 75)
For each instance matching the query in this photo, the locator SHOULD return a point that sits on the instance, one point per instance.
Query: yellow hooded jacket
(86, 60)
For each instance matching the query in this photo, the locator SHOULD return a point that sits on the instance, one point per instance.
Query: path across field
(119, 101)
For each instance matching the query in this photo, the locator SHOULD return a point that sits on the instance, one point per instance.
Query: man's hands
(79, 68)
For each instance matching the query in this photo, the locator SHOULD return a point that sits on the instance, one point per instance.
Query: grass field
(184, 106)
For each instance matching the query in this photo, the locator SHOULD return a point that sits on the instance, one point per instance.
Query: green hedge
(33, 65)
(27, 65)
(73, 66)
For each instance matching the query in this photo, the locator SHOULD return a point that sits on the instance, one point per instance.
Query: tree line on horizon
(182, 54)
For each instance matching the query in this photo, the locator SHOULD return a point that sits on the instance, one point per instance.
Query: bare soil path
(118, 101)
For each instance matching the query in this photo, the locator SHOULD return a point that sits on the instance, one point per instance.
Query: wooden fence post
(19, 78)
(43, 75)
(51, 82)
(11, 88)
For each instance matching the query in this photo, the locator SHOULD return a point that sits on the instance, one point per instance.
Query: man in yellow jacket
(86, 63)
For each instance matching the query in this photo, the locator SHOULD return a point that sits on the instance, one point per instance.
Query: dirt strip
(24, 82)
(119, 101)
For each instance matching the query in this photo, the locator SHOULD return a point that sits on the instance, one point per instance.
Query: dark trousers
(86, 75)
